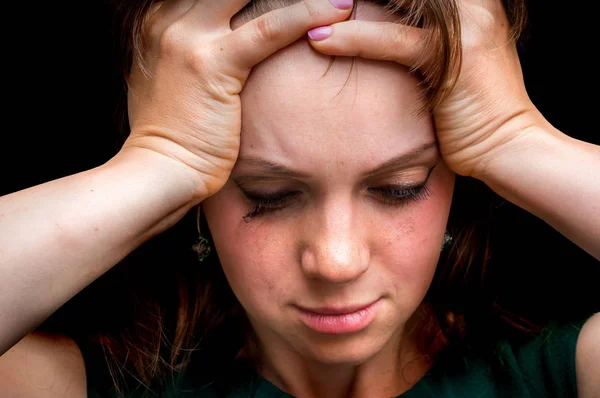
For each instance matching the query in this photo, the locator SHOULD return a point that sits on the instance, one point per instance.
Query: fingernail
(320, 33)
(343, 4)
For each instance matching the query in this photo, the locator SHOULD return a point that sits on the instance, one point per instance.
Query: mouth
(340, 320)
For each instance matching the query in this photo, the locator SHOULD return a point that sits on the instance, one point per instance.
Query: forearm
(58, 237)
(553, 176)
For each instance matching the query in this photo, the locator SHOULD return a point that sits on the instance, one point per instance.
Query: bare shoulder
(587, 359)
(43, 365)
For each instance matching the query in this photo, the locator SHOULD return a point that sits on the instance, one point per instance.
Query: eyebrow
(399, 161)
(389, 165)
(270, 167)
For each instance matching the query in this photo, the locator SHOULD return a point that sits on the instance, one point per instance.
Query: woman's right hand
(58, 237)
(183, 99)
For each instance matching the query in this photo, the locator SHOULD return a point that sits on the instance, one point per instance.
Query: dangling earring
(447, 240)
(202, 247)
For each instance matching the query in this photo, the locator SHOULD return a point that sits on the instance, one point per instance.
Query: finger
(386, 41)
(263, 36)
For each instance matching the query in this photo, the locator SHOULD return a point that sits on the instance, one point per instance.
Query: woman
(330, 249)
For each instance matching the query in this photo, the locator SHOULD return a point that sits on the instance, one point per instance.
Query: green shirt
(542, 367)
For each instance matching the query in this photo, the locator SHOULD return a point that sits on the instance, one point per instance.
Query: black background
(59, 92)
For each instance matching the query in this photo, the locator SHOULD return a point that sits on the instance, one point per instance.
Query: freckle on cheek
(410, 227)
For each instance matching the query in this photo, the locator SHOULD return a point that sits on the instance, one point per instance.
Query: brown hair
(171, 308)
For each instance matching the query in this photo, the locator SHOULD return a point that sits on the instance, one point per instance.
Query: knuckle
(153, 29)
(485, 18)
(177, 43)
(197, 60)
(311, 9)
(355, 38)
(153, 26)
(172, 40)
(393, 35)
(483, 30)
(267, 29)
(400, 40)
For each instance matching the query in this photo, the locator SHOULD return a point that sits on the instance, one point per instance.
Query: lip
(340, 320)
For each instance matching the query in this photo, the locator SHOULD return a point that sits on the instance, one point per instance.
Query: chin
(351, 350)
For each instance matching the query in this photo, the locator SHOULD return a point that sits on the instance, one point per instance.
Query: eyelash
(400, 196)
(392, 195)
(268, 203)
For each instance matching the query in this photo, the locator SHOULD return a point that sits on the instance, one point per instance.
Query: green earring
(447, 240)
(202, 248)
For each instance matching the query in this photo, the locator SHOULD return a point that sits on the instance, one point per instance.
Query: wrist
(527, 167)
(158, 190)
(173, 181)
(518, 140)
(552, 176)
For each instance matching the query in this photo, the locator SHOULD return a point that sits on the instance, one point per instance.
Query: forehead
(299, 107)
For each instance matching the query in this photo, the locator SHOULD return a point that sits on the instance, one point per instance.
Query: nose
(336, 250)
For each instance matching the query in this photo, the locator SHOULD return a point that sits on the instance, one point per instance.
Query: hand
(183, 98)
(488, 106)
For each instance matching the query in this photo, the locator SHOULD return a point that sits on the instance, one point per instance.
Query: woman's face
(330, 226)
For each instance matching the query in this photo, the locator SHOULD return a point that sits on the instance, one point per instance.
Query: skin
(162, 174)
(338, 242)
(488, 128)
(58, 237)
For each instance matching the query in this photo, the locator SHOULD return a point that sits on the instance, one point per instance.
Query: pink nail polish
(343, 4)
(320, 33)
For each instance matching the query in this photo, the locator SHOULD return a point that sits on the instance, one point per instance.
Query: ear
(587, 359)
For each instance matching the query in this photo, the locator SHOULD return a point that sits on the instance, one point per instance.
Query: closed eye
(264, 203)
(391, 194)
(395, 195)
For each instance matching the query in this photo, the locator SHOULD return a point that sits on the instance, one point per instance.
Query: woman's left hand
(487, 126)
(488, 106)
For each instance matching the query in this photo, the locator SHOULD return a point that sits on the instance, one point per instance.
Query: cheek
(411, 238)
(258, 257)
(248, 253)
